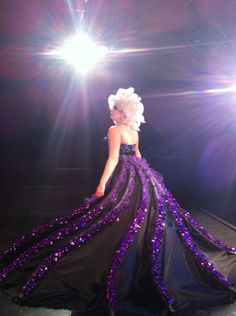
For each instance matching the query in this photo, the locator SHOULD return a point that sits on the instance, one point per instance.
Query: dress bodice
(126, 149)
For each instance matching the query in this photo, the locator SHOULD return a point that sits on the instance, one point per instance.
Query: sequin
(78, 242)
(65, 231)
(84, 219)
(127, 149)
(187, 239)
(57, 222)
(209, 236)
(40, 230)
(157, 238)
(112, 280)
(156, 248)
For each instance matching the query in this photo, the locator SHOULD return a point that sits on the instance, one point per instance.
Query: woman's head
(126, 108)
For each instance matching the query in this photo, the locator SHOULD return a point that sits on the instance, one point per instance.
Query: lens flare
(81, 52)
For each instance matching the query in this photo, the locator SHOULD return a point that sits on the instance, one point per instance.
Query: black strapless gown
(136, 245)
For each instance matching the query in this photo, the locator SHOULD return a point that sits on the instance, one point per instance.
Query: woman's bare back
(128, 135)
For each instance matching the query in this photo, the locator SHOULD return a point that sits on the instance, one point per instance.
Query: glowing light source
(81, 52)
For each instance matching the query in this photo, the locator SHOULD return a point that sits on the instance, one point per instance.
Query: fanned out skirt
(135, 244)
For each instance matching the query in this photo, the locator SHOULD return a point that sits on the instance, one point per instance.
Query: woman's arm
(114, 140)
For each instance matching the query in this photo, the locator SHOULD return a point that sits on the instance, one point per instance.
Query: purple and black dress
(136, 244)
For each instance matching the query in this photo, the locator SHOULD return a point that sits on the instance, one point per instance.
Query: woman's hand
(100, 190)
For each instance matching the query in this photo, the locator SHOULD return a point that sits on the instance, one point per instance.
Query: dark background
(179, 56)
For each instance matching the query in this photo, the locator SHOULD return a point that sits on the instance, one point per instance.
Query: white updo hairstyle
(128, 104)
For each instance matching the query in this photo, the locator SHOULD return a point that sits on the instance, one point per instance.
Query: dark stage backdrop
(181, 61)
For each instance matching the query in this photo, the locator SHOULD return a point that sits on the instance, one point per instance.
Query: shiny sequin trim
(78, 242)
(40, 230)
(91, 215)
(57, 222)
(127, 149)
(187, 239)
(156, 254)
(157, 239)
(112, 280)
(209, 236)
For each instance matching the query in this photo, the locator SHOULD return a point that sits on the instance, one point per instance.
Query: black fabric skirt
(136, 244)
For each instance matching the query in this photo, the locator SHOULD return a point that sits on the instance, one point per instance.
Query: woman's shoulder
(113, 126)
(114, 129)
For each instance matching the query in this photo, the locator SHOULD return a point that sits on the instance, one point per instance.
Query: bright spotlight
(81, 52)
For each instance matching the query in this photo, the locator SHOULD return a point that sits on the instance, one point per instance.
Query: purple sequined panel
(187, 239)
(69, 229)
(157, 239)
(126, 242)
(95, 215)
(81, 240)
(40, 230)
(168, 203)
(209, 236)
(57, 222)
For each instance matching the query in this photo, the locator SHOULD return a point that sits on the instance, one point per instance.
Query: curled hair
(128, 104)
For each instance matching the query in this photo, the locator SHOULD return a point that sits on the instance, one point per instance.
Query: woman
(126, 112)
(130, 244)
